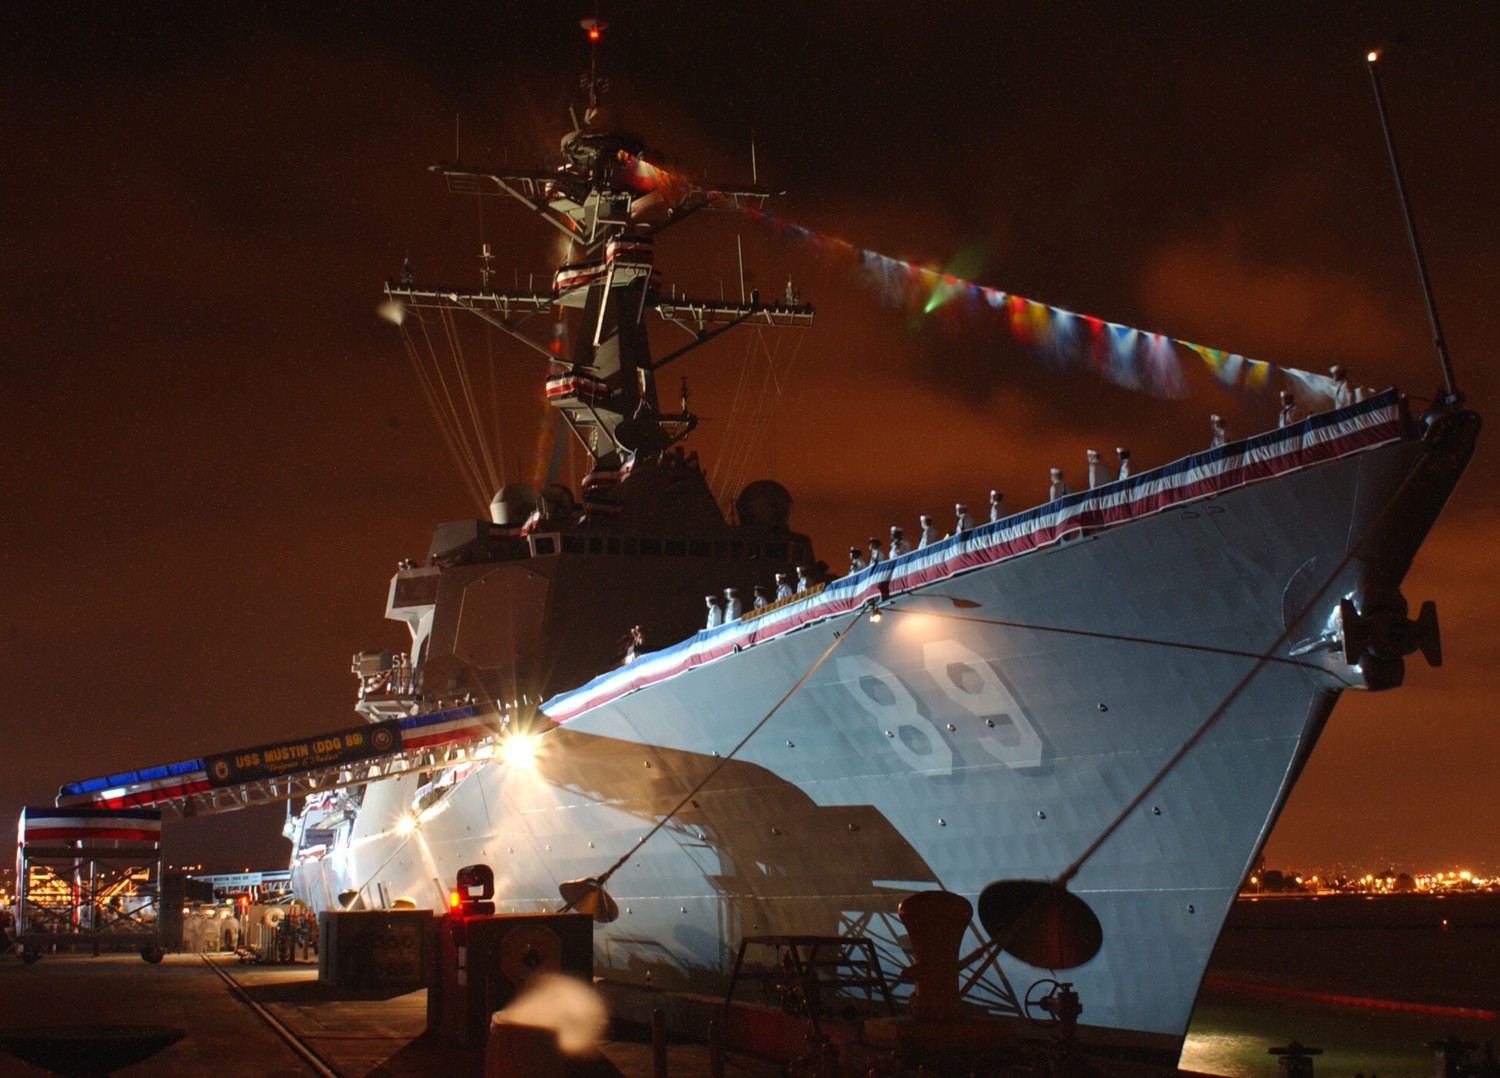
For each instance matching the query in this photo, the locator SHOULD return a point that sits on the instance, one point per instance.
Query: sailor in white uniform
(1098, 473)
(1343, 393)
(1124, 455)
(856, 560)
(1058, 486)
(783, 587)
(802, 582)
(733, 608)
(964, 522)
(715, 612)
(1291, 415)
(875, 557)
(760, 597)
(1221, 432)
(899, 545)
(929, 533)
(997, 505)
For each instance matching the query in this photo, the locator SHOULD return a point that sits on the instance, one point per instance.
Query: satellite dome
(765, 503)
(512, 505)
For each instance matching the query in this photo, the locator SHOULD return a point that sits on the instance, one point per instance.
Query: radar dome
(513, 505)
(765, 503)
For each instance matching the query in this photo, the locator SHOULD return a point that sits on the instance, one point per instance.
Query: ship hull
(998, 723)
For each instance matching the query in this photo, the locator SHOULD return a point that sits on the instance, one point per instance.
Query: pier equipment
(90, 877)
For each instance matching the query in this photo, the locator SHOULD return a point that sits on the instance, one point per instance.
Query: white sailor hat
(1336, 371)
(1214, 419)
(1120, 451)
(895, 530)
(1093, 454)
(780, 576)
(925, 520)
(960, 507)
(1056, 473)
(731, 591)
(994, 495)
(711, 598)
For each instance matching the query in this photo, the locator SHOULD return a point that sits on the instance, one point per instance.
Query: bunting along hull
(992, 726)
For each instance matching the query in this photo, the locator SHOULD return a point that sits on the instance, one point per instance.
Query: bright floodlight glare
(1371, 56)
(406, 825)
(392, 312)
(519, 751)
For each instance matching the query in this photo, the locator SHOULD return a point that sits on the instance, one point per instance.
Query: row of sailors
(1291, 414)
(730, 608)
(1099, 473)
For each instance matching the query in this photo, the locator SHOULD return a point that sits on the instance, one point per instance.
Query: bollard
(659, 1043)
(715, 1048)
(1295, 1060)
(1451, 1056)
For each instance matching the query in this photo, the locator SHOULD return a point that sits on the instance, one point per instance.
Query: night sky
(214, 453)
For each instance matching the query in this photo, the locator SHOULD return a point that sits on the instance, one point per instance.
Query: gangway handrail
(208, 785)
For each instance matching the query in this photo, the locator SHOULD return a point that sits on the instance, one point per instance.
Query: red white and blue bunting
(1323, 437)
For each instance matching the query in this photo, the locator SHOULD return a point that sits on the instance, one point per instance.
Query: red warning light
(593, 33)
(454, 899)
(595, 27)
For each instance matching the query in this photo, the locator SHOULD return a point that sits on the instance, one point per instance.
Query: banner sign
(287, 757)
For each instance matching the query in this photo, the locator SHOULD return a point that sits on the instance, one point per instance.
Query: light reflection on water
(1232, 1029)
(1435, 951)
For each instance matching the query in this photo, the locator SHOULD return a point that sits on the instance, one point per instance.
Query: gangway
(89, 877)
(298, 767)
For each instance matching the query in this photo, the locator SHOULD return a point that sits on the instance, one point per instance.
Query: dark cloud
(215, 452)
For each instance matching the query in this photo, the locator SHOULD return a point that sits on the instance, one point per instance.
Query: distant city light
(1389, 881)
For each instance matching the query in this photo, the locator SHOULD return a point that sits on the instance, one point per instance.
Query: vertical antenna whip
(1453, 397)
(595, 29)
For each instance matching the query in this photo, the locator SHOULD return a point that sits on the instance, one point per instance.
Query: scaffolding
(89, 878)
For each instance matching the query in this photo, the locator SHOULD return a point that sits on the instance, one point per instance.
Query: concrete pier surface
(230, 1012)
(251, 1020)
(225, 1038)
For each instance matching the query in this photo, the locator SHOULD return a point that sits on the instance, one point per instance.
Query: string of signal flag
(1124, 355)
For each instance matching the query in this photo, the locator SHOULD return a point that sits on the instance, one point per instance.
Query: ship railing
(1320, 438)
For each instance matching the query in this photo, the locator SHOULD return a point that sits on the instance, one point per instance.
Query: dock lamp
(473, 891)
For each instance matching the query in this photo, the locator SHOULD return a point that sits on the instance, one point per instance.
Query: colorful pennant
(1126, 356)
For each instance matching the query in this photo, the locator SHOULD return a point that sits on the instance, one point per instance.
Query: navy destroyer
(1108, 697)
